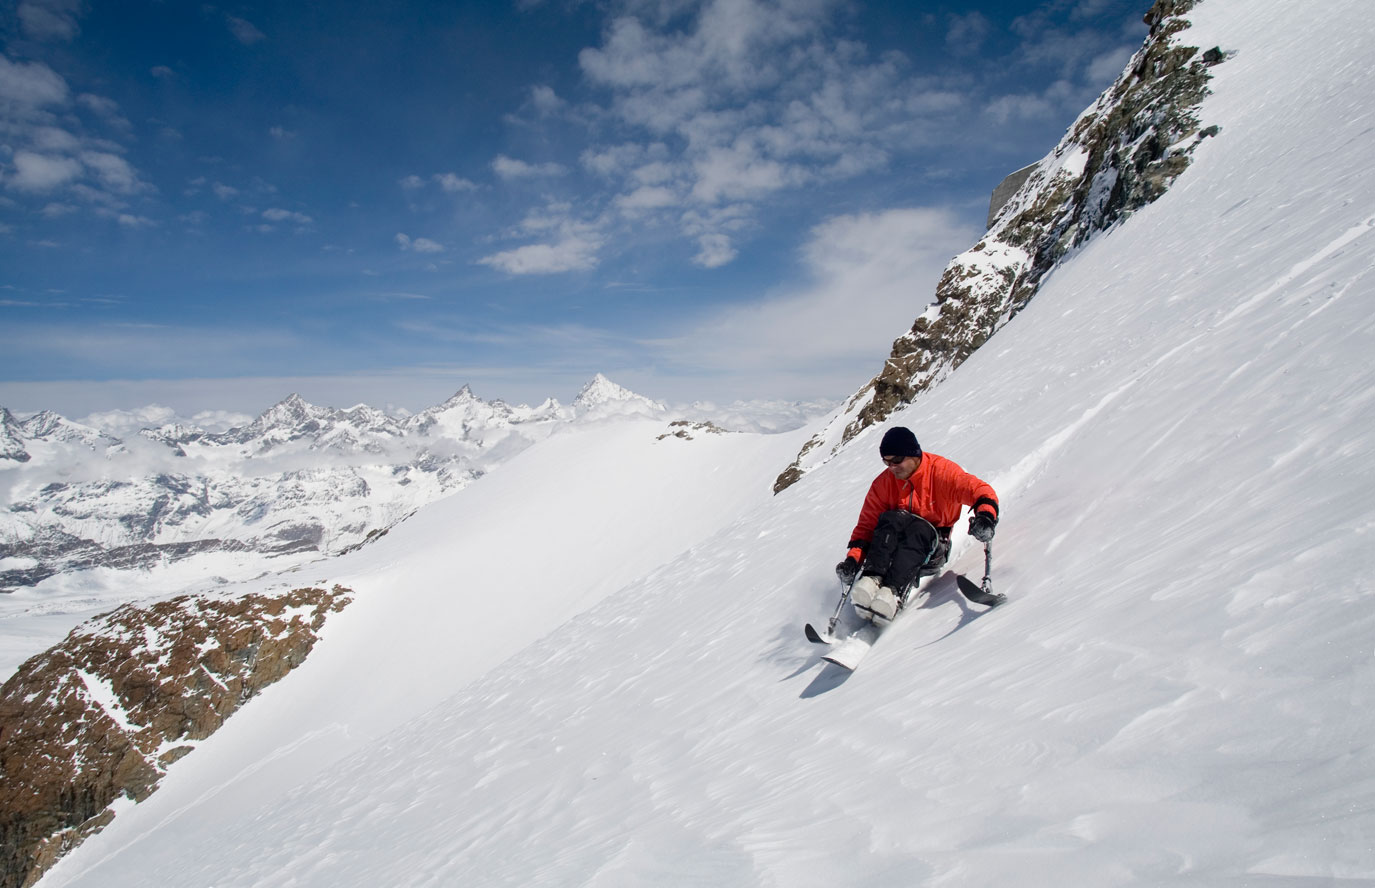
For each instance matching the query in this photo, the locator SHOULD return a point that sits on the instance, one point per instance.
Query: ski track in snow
(1302, 268)
(1180, 691)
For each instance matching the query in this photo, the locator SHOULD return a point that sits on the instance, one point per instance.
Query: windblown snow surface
(588, 668)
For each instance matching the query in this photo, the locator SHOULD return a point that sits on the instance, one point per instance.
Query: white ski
(847, 652)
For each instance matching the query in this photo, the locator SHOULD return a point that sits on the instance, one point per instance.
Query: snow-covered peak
(11, 438)
(45, 436)
(459, 416)
(601, 397)
(294, 419)
(291, 413)
(460, 398)
(50, 426)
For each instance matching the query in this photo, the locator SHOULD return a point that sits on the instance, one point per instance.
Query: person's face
(902, 467)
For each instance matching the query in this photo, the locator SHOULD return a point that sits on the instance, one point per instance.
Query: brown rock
(104, 713)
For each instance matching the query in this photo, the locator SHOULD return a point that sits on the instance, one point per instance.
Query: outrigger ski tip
(977, 594)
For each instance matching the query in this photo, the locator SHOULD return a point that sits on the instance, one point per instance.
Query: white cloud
(740, 171)
(50, 150)
(510, 168)
(613, 160)
(649, 197)
(418, 245)
(965, 33)
(450, 183)
(871, 274)
(113, 171)
(545, 100)
(1104, 69)
(162, 72)
(570, 245)
(31, 85)
(53, 139)
(97, 197)
(224, 192)
(567, 255)
(50, 19)
(1005, 109)
(42, 172)
(129, 220)
(716, 250)
(747, 99)
(453, 183)
(277, 214)
(245, 31)
(106, 108)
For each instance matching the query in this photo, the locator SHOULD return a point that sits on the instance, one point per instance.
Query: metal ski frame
(987, 584)
(844, 597)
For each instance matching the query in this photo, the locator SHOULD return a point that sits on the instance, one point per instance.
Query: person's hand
(981, 525)
(847, 570)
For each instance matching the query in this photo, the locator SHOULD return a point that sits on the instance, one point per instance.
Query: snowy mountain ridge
(603, 397)
(298, 481)
(49, 427)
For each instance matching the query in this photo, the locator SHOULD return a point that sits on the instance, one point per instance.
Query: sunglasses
(893, 460)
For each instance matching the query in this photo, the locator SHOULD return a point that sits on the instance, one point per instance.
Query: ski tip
(975, 593)
(814, 636)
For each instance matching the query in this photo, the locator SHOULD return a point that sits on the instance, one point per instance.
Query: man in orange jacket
(904, 527)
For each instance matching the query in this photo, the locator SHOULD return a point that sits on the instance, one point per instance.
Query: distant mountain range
(300, 480)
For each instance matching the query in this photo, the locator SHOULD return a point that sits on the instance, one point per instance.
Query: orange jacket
(937, 491)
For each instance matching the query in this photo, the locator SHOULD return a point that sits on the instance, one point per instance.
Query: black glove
(981, 525)
(847, 570)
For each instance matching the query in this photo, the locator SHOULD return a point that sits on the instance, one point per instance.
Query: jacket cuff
(987, 506)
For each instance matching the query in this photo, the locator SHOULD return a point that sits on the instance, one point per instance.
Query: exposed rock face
(1121, 154)
(99, 718)
(688, 430)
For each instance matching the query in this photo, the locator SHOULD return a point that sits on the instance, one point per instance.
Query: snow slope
(1180, 691)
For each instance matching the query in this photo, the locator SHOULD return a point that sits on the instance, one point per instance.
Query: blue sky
(209, 206)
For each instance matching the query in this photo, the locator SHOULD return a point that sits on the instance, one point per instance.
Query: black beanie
(899, 441)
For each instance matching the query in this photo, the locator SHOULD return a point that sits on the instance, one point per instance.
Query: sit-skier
(904, 527)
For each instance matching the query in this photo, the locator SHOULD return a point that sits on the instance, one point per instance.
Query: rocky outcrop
(95, 721)
(1122, 153)
(688, 430)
